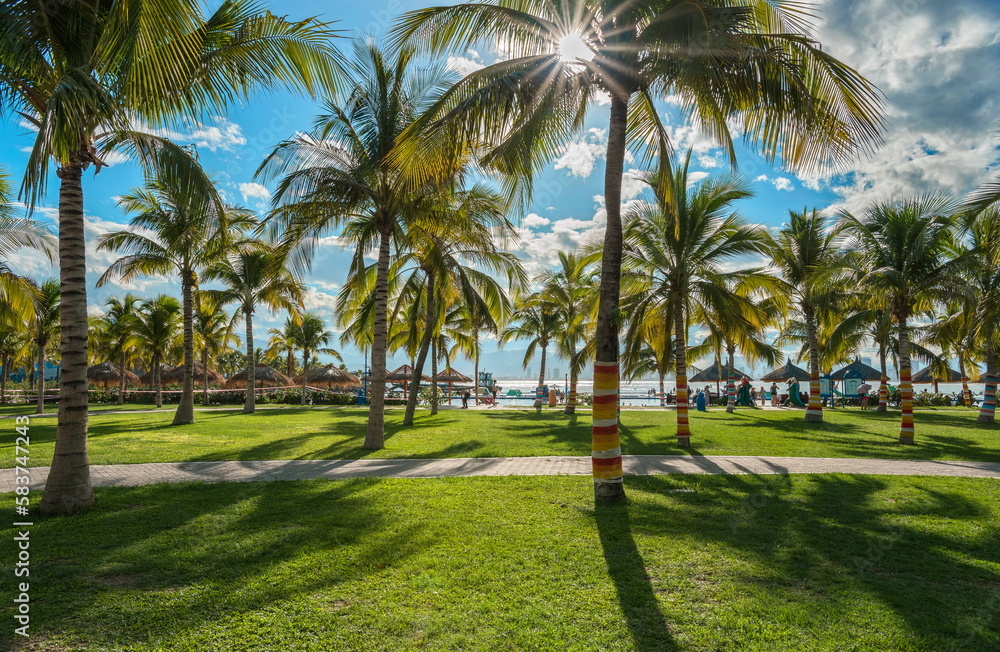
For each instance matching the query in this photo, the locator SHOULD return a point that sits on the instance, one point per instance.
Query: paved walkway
(125, 475)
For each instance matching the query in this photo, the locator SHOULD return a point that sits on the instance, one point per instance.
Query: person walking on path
(774, 394)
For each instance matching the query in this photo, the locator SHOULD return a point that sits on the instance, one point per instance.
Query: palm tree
(806, 256)
(214, 337)
(44, 326)
(84, 74)
(983, 277)
(252, 277)
(902, 246)
(741, 327)
(677, 248)
(453, 258)
(280, 341)
(537, 320)
(345, 173)
(159, 319)
(15, 346)
(311, 337)
(121, 321)
(570, 289)
(182, 231)
(754, 62)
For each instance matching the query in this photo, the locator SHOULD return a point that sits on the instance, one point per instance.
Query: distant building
(867, 361)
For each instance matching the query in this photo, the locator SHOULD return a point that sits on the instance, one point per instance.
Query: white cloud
(780, 183)
(696, 176)
(466, 65)
(534, 220)
(254, 191)
(220, 135)
(579, 156)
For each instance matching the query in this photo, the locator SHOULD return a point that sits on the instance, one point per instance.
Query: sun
(573, 48)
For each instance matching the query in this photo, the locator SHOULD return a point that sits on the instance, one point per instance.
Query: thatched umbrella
(783, 373)
(107, 373)
(867, 372)
(403, 375)
(713, 374)
(176, 375)
(263, 376)
(146, 380)
(450, 376)
(926, 375)
(332, 377)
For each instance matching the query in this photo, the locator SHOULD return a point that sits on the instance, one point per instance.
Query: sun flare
(573, 48)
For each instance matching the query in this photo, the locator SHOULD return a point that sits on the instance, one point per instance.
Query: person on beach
(465, 399)
(774, 394)
(763, 396)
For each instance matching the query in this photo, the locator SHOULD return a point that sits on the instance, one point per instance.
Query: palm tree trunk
(540, 389)
(475, 373)
(434, 373)
(883, 389)
(425, 346)
(375, 435)
(571, 395)
(185, 408)
(906, 430)
(3, 380)
(250, 404)
(305, 367)
(290, 363)
(606, 452)
(989, 406)
(663, 395)
(730, 382)
(204, 375)
(814, 412)
(680, 364)
(966, 395)
(121, 379)
(68, 488)
(158, 379)
(40, 407)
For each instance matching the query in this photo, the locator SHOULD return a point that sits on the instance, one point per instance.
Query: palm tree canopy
(85, 74)
(754, 63)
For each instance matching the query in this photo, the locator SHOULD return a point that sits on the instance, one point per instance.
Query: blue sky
(927, 56)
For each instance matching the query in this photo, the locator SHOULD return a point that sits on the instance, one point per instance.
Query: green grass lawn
(768, 563)
(339, 434)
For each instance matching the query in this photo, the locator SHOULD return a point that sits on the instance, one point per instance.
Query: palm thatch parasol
(108, 373)
(926, 375)
(332, 377)
(176, 375)
(404, 375)
(783, 373)
(146, 380)
(449, 375)
(715, 374)
(263, 376)
(867, 372)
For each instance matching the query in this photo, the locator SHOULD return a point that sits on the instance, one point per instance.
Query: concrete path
(124, 475)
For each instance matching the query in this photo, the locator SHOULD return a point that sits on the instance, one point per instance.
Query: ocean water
(637, 393)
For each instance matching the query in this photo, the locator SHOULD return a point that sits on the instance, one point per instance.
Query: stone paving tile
(123, 475)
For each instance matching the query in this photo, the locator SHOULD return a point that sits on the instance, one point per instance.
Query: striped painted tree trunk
(605, 443)
(988, 409)
(663, 395)
(883, 387)
(680, 362)
(730, 384)
(966, 394)
(906, 430)
(814, 412)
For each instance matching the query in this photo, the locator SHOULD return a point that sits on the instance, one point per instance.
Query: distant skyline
(934, 61)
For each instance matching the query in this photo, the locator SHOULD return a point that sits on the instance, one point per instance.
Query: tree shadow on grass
(909, 546)
(177, 565)
(638, 601)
